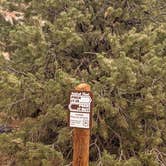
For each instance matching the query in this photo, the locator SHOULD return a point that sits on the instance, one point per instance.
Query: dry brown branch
(160, 156)
(11, 16)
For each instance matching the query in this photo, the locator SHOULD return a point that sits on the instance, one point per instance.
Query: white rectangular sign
(80, 109)
(80, 120)
(80, 102)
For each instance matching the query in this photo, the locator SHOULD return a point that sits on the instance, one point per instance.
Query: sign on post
(80, 109)
(80, 119)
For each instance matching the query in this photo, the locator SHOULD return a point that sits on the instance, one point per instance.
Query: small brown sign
(80, 109)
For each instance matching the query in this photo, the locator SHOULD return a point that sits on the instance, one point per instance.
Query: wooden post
(81, 139)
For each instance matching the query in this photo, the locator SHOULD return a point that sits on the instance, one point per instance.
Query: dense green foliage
(118, 47)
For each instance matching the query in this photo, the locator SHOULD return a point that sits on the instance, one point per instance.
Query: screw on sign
(80, 118)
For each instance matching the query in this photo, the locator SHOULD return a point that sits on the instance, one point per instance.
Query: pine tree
(118, 47)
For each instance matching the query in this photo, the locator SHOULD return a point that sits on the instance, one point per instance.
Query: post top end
(83, 87)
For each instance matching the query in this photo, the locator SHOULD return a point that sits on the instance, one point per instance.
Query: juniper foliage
(118, 47)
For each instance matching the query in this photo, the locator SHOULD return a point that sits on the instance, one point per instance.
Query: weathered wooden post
(80, 118)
